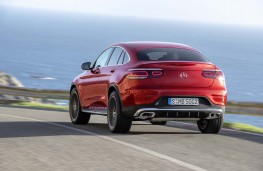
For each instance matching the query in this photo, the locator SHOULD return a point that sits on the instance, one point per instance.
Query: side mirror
(86, 65)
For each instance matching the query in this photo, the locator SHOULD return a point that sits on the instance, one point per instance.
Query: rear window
(170, 54)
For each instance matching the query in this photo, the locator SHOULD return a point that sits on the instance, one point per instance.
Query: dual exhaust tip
(214, 115)
(149, 115)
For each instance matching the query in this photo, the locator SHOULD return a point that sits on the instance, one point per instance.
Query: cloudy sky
(244, 12)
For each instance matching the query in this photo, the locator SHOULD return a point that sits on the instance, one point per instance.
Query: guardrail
(36, 93)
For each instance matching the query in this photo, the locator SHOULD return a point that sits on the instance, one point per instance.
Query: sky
(235, 12)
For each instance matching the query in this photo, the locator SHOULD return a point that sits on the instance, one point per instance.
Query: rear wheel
(158, 122)
(210, 125)
(116, 121)
(76, 115)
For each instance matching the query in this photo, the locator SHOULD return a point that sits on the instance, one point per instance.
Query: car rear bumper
(166, 114)
(161, 110)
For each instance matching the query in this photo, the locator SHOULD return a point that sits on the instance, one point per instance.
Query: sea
(245, 119)
(45, 49)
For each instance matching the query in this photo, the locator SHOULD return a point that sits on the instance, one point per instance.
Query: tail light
(217, 74)
(138, 75)
(157, 73)
(144, 73)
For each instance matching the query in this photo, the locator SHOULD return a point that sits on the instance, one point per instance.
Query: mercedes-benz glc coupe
(155, 81)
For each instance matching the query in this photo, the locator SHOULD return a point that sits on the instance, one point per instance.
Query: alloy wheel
(74, 106)
(112, 113)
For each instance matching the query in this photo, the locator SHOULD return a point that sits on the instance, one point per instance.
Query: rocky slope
(9, 80)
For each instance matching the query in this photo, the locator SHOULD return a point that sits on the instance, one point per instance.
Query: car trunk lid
(181, 74)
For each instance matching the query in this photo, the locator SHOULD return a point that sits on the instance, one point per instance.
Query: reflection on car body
(153, 81)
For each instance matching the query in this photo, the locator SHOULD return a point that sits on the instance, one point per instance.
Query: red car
(153, 81)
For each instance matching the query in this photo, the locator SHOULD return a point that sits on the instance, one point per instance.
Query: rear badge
(183, 75)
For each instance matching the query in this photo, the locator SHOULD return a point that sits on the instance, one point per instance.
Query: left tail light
(144, 73)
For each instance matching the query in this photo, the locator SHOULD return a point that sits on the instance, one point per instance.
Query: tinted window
(170, 54)
(121, 58)
(126, 58)
(115, 56)
(102, 59)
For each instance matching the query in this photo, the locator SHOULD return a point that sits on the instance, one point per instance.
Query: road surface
(47, 140)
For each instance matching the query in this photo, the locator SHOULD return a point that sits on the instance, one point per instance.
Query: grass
(36, 105)
(243, 127)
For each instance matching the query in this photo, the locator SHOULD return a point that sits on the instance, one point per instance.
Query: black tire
(210, 126)
(76, 115)
(117, 122)
(158, 122)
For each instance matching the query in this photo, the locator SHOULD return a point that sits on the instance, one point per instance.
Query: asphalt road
(47, 140)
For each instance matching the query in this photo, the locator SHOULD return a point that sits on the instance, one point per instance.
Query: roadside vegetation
(35, 105)
(243, 127)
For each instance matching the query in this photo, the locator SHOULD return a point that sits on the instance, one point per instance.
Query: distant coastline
(11, 81)
(40, 95)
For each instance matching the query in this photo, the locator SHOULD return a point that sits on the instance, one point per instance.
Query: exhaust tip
(214, 115)
(147, 115)
(218, 115)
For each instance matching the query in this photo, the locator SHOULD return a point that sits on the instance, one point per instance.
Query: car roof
(139, 45)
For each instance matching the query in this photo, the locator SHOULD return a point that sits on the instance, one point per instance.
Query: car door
(107, 76)
(90, 81)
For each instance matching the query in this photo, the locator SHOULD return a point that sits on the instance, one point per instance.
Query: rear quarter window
(115, 56)
(124, 58)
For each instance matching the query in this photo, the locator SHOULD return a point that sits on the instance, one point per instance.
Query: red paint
(145, 86)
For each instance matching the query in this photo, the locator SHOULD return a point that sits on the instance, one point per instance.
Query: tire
(76, 115)
(117, 122)
(158, 122)
(211, 126)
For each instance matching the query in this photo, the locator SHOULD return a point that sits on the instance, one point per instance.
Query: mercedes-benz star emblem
(183, 75)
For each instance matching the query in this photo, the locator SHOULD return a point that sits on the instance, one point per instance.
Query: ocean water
(45, 49)
(245, 119)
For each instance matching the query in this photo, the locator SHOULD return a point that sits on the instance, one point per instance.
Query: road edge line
(226, 129)
(145, 150)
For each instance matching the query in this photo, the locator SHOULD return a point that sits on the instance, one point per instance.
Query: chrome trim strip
(94, 112)
(174, 119)
(182, 110)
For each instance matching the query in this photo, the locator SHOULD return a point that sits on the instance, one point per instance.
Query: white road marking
(226, 129)
(153, 153)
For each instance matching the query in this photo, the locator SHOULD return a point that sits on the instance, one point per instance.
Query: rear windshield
(170, 54)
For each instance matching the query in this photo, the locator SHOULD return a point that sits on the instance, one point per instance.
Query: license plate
(183, 101)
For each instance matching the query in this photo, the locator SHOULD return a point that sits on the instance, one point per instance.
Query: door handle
(112, 71)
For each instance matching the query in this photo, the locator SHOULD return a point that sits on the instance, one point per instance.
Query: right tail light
(217, 74)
